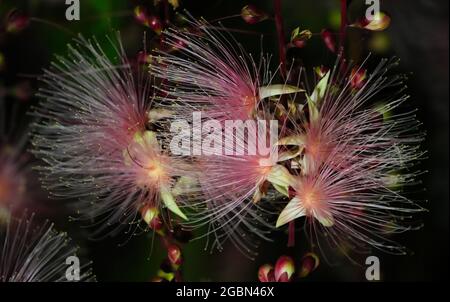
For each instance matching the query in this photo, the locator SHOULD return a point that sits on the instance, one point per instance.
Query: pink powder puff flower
(232, 188)
(211, 73)
(356, 151)
(94, 140)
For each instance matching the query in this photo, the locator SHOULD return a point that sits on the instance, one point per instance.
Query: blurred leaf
(380, 42)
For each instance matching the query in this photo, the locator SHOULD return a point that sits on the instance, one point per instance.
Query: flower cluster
(343, 154)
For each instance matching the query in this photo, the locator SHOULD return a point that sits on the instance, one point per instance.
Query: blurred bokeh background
(418, 35)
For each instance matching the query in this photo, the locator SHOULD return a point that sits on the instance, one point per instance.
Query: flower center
(155, 170)
(311, 197)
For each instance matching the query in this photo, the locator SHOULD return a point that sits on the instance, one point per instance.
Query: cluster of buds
(170, 268)
(282, 272)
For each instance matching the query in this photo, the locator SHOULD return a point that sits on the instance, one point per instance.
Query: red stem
(343, 28)
(291, 234)
(280, 32)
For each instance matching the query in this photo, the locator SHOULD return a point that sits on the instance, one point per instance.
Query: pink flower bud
(151, 216)
(309, 263)
(174, 255)
(16, 21)
(357, 77)
(142, 16)
(266, 273)
(328, 39)
(299, 38)
(284, 269)
(155, 24)
(251, 14)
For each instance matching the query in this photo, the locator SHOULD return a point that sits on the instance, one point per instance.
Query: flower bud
(321, 71)
(284, 269)
(150, 215)
(22, 91)
(142, 16)
(251, 14)
(174, 255)
(380, 21)
(166, 270)
(16, 21)
(299, 38)
(328, 39)
(155, 24)
(309, 263)
(144, 58)
(266, 273)
(357, 77)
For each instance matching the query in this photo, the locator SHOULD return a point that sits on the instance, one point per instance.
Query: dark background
(418, 34)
